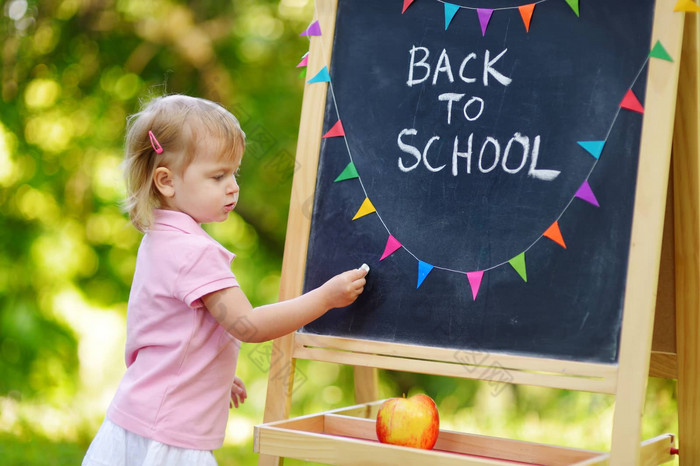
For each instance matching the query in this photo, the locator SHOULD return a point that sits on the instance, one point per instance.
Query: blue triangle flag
(595, 148)
(423, 270)
(321, 77)
(450, 12)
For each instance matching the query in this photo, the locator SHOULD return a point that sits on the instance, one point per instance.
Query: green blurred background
(71, 71)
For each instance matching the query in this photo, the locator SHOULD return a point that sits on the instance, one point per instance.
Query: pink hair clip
(154, 143)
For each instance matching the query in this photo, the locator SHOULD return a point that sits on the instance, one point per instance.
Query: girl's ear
(163, 179)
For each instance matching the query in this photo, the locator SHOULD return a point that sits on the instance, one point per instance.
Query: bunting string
(585, 192)
(484, 14)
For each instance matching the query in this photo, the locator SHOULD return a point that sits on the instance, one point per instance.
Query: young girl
(187, 314)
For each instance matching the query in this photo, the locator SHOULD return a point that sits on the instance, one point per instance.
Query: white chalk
(365, 267)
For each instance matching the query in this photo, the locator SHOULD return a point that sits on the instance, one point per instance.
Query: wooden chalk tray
(346, 436)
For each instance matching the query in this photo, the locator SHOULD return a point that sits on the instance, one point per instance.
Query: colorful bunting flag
(302, 74)
(658, 51)
(304, 60)
(321, 77)
(686, 5)
(526, 14)
(484, 18)
(554, 233)
(335, 131)
(586, 193)
(313, 30)
(630, 102)
(423, 270)
(475, 282)
(348, 173)
(595, 148)
(574, 6)
(365, 208)
(392, 245)
(406, 4)
(518, 263)
(450, 12)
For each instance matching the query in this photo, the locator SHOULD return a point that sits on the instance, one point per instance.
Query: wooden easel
(345, 436)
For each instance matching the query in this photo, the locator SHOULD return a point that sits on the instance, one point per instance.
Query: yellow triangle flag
(686, 5)
(365, 208)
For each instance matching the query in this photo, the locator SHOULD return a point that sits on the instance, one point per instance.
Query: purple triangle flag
(586, 193)
(484, 18)
(313, 30)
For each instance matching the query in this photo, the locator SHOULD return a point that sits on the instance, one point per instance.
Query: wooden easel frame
(628, 377)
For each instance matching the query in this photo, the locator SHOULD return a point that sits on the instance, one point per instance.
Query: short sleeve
(206, 268)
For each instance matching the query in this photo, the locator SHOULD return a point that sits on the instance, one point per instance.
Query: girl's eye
(219, 177)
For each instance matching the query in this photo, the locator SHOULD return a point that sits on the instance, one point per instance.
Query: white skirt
(115, 446)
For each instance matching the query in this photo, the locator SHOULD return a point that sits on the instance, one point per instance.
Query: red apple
(410, 422)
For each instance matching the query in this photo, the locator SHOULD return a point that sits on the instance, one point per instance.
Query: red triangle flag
(554, 233)
(406, 4)
(630, 102)
(526, 14)
(336, 130)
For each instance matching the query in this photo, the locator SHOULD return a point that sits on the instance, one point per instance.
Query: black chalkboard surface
(470, 145)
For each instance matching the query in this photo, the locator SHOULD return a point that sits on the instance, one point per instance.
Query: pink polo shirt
(180, 361)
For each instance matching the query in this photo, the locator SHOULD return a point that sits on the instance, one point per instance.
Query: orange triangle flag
(336, 130)
(554, 233)
(365, 208)
(526, 14)
(630, 102)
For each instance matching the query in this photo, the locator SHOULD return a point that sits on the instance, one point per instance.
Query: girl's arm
(231, 308)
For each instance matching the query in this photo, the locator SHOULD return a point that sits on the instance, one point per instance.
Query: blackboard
(551, 88)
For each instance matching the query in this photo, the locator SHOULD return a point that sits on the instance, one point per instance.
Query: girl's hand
(343, 289)
(238, 392)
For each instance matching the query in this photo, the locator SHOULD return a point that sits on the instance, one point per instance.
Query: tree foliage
(71, 73)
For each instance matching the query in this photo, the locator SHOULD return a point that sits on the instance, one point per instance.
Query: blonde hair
(180, 124)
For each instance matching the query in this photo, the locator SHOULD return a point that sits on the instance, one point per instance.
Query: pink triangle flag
(406, 4)
(484, 18)
(304, 61)
(392, 244)
(336, 130)
(630, 102)
(586, 193)
(475, 281)
(314, 29)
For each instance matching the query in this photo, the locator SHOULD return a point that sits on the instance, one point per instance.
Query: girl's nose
(233, 185)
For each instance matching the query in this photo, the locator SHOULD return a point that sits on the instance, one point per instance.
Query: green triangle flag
(303, 73)
(349, 173)
(658, 51)
(574, 6)
(518, 263)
